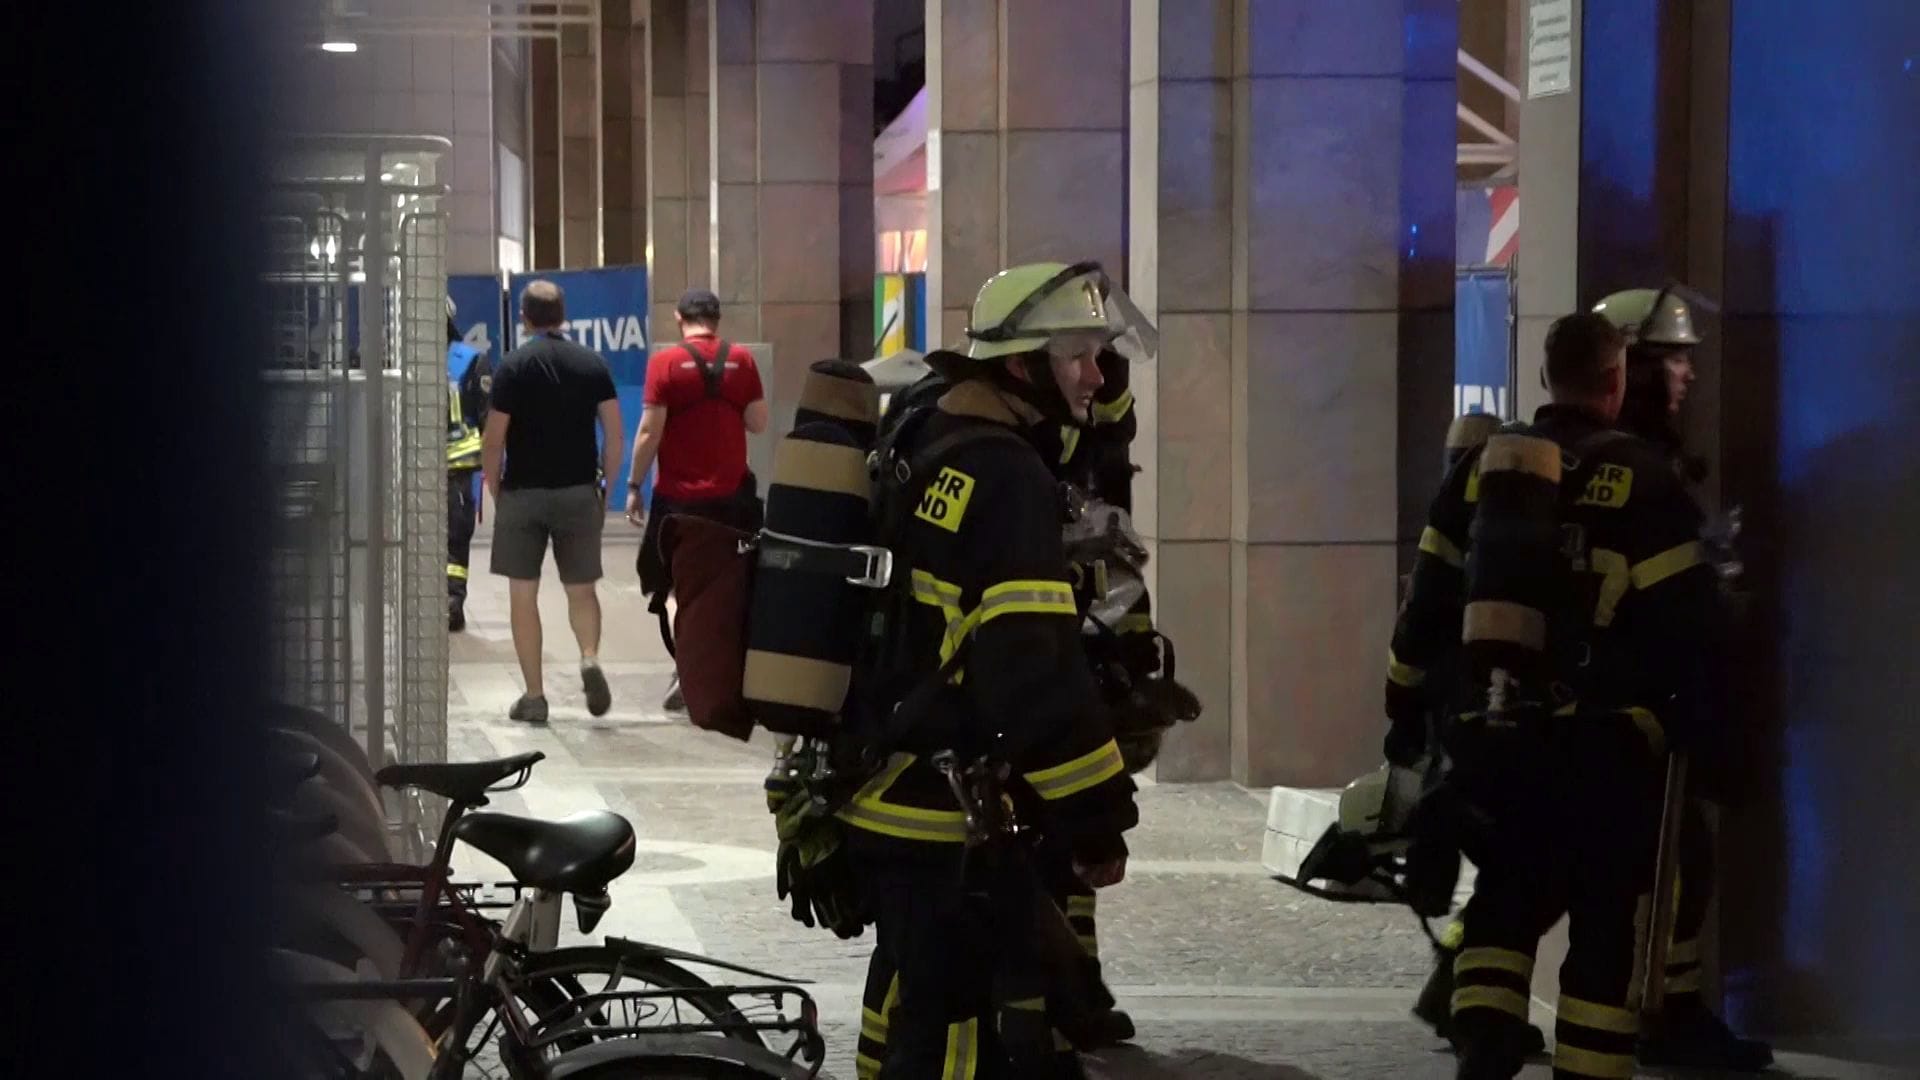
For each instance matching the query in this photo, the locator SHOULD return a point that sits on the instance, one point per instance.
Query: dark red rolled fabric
(712, 568)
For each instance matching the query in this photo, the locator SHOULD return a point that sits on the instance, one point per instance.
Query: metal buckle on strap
(879, 568)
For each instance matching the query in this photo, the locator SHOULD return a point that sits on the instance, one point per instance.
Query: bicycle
(514, 979)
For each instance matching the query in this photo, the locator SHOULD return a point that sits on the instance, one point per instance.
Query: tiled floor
(1227, 973)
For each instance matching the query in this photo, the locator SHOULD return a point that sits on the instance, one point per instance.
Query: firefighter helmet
(1023, 308)
(1650, 317)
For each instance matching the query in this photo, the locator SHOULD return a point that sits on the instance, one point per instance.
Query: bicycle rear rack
(768, 1011)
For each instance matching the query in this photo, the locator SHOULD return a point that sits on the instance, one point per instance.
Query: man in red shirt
(703, 398)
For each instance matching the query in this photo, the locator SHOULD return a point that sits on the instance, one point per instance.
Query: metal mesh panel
(359, 563)
(306, 432)
(421, 505)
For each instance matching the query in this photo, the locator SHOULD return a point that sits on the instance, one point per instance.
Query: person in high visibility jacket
(993, 631)
(469, 383)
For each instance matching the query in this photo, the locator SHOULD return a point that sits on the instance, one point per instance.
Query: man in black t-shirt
(547, 396)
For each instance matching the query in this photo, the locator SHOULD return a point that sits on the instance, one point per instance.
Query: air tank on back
(1514, 555)
(806, 618)
(1465, 434)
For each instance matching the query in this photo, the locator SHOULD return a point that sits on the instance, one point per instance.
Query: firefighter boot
(1434, 1007)
(1495, 1049)
(1105, 1029)
(1689, 1036)
(456, 614)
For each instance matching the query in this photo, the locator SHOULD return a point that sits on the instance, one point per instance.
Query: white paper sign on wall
(1550, 33)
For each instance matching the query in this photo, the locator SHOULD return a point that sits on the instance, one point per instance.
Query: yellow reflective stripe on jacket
(1069, 442)
(1134, 624)
(1019, 597)
(1112, 412)
(943, 596)
(1652, 571)
(1435, 543)
(1025, 598)
(1079, 774)
(1650, 726)
(1403, 674)
(870, 810)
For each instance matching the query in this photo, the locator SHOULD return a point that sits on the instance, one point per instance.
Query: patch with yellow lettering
(1610, 487)
(945, 502)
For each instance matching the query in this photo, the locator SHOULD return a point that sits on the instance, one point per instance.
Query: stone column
(1293, 230)
(580, 164)
(792, 143)
(1547, 271)
(543, 126)
(623, 130)
(677, 156)
(1026, 143)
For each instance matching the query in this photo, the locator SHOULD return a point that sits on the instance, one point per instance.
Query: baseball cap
(698, 304)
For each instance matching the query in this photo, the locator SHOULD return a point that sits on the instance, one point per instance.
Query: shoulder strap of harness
(711, 374)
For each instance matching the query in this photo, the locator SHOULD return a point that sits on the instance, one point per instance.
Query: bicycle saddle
(580, 853)
(464, 782)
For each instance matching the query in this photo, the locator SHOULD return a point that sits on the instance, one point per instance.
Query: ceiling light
(340, 46)
(386, 177)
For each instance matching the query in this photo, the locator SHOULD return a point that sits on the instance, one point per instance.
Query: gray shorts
(526, 518)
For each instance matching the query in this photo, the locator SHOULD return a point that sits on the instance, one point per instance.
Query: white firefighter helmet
(1376, 805)
(1651, 317)
(1028, 307)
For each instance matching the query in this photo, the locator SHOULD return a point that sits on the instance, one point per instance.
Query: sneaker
(599, 694)
(676, 701)
(529, 709)
(456, 616)
(1694, 1038)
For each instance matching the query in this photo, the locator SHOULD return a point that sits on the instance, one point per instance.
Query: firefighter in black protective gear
(1566, 558)
(960, 984)
(469, 385)
(1465, 435)
(1094, 458)
(1661, 334)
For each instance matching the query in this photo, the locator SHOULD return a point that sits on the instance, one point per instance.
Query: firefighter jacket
(469, 384)
(989, 575)
(1641, 600)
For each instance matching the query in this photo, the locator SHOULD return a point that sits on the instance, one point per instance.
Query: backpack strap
(713, 374)
(1574, 482)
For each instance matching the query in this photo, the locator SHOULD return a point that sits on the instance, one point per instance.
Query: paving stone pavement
(1228, 974)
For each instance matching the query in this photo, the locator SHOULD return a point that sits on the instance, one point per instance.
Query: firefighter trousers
(1695, 892)
(950, 994)
(1575, 827)
(462, 509)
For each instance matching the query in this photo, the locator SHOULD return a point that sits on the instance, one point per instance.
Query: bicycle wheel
(327, 730)
(552, 979)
